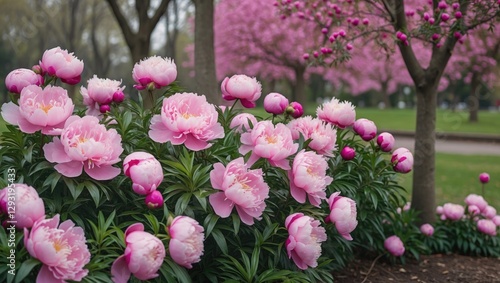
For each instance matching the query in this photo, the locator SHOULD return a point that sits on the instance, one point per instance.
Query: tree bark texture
(204, 52)
(300, 86)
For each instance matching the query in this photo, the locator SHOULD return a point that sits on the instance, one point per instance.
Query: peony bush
(190, 191)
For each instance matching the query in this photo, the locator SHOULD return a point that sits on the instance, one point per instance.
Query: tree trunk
(473, 99)
(300, 86)
(385, 96)
(204, 53)
(423, 194)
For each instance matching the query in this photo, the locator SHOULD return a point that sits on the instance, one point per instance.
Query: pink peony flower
(21, 78)
(322, 135)
(394, 246)
(487, 226)
(385, 141)
(496, 220)
(343, 214)
(241, 87)
(39, 109)
(476, 200)
(241, 187)
(489, 212)
(365, 128)
(348, 153)
(186, 118)
(304, 241)
(484, 177)
(58, 62)
(242, 122)
(473, 210)
(144, 170)
(28, 205)
(154, 72)
(143, 256)
(427, 229)
(295, 110)
(186, 241)
(100, 92)
(341, 114)
(439, 209)
(268, 141)
(154, 200)
(61, 249)
(308, 177)
(275, 103)
(85, 144)
(402, 160)
(453, 211)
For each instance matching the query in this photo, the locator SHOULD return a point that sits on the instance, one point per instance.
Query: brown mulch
(431, 268)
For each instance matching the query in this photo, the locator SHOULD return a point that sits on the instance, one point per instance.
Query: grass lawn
(458, 175)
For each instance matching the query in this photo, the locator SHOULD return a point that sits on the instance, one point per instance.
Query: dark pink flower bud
(355, 22)
(455, 6)
(348, 153)
(305, 56)
(484, 177)
(342, 33)
(442, 5)
(398, 35)
(426, 16)
(385, 141)
(458, 15)
(315, 54)
(439, 45)
(348, 46)
(300, 15)
(296, 111)
(104, 108)
(331, 38)
(366, 21)
(275, 103)
(154, 200)
(435, 37)
(118, 97)
(324, 30)
(403, 37)
(402, 160)
(365, 128)
(445, 17)
(432, 21)
(457, 35)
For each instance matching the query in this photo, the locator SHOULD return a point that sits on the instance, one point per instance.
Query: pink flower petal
(54, 152)
(46, 276)
(245, 217)
(120, 271)
(221, 205)
(10, 113)
(70, 169)
(158, 132)
(106, 172)
(195, 144)
(217, 176)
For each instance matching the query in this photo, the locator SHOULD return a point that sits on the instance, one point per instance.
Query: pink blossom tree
(249, 39)
(438, 25)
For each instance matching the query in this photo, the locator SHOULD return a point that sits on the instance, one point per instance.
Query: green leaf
(94, 192)
(236, 223)
(25, 269)
(209, 223)
(220, 239)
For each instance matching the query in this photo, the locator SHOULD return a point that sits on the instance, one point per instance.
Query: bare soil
(431, 268)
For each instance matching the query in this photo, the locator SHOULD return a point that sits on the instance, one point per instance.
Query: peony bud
(275, 103)
(427, 229)
(295, 110)
(385, 141)
(445, 17)
(484, 178)
(104, 108)
(154, 200)
(442, 5)
(348, 153)
(458, 15)
(118, 96)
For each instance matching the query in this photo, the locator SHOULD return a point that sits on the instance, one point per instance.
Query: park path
(455, 146)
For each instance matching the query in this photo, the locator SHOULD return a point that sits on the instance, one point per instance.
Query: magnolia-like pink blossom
(323, 136)
(18, 79)
(186, 118)
(476, 200)
(268, 141)
(308, 177)
(28, 205)
(241, 187)
(348, 153)
(154, 200)
(58, 62)
(341, 114)
(85, 145)
(100, 92)
(186, 241)
(453, 211)
(143, 257)
(241, 87)
(343, 214)
(242, 122)
(484, 177)
(385, 141)
(394, 246)
(402, 160)
(275, 103)
(144, 170)
(365, 128)
(60, 247)
(487, 226)
(154, 72)
(39, 109)
(427, 229)
(304, 240)
(489, 212)
(295, 110)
